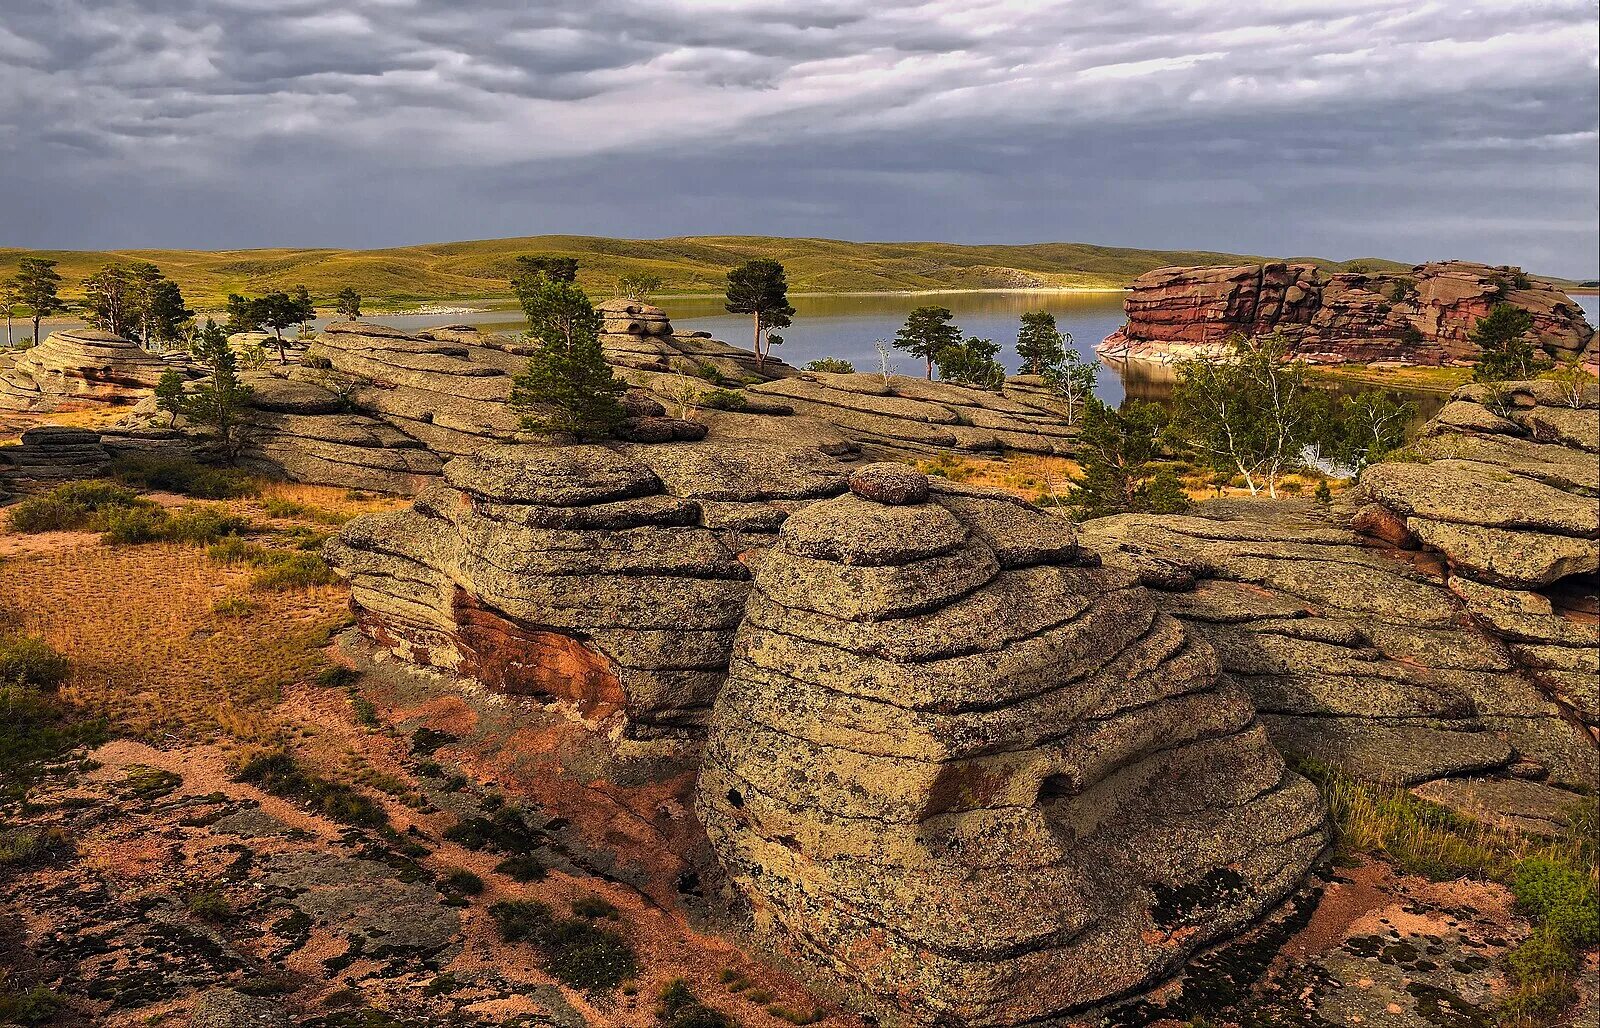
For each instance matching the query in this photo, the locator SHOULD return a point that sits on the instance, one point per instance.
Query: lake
(846, 326)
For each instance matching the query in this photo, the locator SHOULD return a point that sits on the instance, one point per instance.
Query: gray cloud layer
(1415, 130)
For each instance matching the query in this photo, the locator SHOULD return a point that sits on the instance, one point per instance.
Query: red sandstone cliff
(1424, 316)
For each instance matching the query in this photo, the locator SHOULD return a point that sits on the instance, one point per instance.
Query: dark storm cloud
(1370, 127)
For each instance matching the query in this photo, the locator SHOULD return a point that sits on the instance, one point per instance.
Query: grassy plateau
(479, 269)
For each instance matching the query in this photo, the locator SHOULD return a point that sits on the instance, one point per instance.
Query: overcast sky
(1413, 130)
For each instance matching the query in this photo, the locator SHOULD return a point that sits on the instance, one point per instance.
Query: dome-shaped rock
(982, 782)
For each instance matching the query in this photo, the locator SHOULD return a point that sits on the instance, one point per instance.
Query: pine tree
(927, 331)
(220, 397)
(971, 363)
(169, 393)
(1505, 351)
(1116, 451)
(760, 289)
(567, 385)
(36, 282)
(348, 304)
(1040, 344)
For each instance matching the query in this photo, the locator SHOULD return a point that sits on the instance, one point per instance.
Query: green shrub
(832, 365)
(336, 676)
(278, 773)
(25, 847)
(460, 882)
(1560, 899)
(199, 525)
(210, 905)
(724, 399)
(681, 1008)
(131, 526)
(183, 475)
(523, 867)
(575, 951)
(36, 1005)
(29, 661)
(593, 907)
(202, 525)
(73, 506)
(297, 570)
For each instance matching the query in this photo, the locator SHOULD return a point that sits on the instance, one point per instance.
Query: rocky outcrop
(302, 431)
(1424, 316)
(53, 453)
(610, 578)
(1355, 652)
(76, 367)
(1504, 492)
(978, 776)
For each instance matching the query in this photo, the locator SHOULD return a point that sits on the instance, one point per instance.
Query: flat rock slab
(1504, 802)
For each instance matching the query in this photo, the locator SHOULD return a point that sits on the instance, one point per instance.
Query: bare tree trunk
(930, 368)
(283, 358)
(760, 357)
(35, 328)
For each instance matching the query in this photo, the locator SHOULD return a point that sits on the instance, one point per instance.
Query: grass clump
(724, 399)
(276, 569)
(210, 905)
(576, 952)
(279, 507)
(278, 773)
(147, 523)
(233, 607)
(72, 507)
(183, 475)
(594, 907)
(457, 884)
(34, 1005)
(524, 867)
(1561, 899)
(31, 662)
(678, 1007)
(299, 570)
(22, 848)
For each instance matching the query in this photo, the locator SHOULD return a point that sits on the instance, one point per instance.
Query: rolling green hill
(692, 264)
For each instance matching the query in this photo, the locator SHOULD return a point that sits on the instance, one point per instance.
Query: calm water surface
(847, 326)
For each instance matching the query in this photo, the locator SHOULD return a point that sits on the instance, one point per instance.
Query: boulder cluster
(1424, 316)
(980, 776)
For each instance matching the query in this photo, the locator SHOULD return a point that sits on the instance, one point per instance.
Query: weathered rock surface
(53, 453)
(1424, 316)
(979, 777)
(77, 366)
(608, 577)
(1506, 490)
(1355, 653)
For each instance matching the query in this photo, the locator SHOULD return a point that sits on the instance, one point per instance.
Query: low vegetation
(1554, 881)
(183, 475)
(576, 951)
(279, 773)
(678, 1007)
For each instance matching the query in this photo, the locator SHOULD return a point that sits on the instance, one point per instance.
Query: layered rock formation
(610, 578)
(1443, 623)
(53, 453)
(982, 778)
(1506, 490)
(80, 366)
(1424, 316)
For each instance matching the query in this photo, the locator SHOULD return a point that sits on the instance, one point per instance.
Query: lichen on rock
(984, 781)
